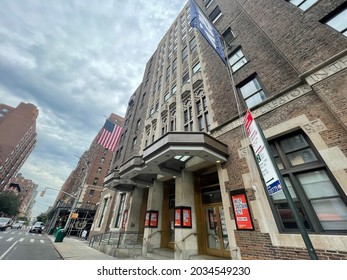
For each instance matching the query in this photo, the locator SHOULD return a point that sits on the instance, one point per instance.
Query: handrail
(149, 236)
(184, 239)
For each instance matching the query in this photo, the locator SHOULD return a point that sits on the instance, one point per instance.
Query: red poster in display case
(183, 217)
(241, 211)
(178, 217)
(186, 217)
(147, 219)
(151, 218)
(153, 221)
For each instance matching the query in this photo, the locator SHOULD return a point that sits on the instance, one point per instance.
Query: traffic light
(42, 193)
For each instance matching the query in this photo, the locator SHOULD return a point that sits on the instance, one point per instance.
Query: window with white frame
(215, 15)
(208, 3)
(303, 4)
(252, 92)
(319, 199)
(338, 19)
(237, 60)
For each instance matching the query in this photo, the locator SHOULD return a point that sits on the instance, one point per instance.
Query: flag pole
(203, 30)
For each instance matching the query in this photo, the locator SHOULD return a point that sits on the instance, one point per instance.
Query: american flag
(110, 135)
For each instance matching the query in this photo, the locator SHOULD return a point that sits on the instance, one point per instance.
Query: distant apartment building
(17, 139)
(99, 160)
(27, 194)
(184, 179)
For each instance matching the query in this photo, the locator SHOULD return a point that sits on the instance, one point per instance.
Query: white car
(37, 227)
(5, 223)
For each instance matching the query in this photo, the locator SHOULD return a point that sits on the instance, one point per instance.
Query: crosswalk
(9, 236)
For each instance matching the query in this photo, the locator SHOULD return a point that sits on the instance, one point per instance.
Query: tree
(42, 218)
(9, 203)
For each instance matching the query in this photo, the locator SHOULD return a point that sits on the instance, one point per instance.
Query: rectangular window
(319, 199)
(184, 54)
(185, 77)
(167, 73)
(303, 4)
(192, 45)
(228, 35)
(166, 96)
(103, 212)
(252, 93)
(173, 90)
(120, 210)
(151, 112)
(174, 65)
(91, 192)
(208, 3)
(143, 99)
(133, 143)
(338, 19)
(138, 124)
(237, 60)
(215, 15)
(196, 68)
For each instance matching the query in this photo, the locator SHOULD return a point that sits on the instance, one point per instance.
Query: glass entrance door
(217, 242)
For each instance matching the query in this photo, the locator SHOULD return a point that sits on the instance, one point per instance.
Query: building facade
(86, 184)
(27, 194)
(185, 178)
(17, 139)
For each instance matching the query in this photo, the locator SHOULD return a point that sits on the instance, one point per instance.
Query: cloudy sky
(77, 61)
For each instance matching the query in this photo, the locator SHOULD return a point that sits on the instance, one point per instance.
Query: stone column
(152, 236)
(186, 242)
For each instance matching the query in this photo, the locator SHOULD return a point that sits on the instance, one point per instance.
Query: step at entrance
(161, 254)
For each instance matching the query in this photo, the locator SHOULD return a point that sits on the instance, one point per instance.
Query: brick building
(17, 139)
(99, 160)
(27, 194)
(185, 162)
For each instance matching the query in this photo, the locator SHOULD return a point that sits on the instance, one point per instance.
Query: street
(19, 244)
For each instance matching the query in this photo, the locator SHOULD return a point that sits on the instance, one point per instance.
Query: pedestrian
(84, 234)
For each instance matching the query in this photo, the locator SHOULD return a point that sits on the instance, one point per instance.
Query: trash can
(60, 234)
(56, 231)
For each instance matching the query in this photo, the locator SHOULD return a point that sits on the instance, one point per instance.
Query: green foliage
(9, 203)
(42, 218)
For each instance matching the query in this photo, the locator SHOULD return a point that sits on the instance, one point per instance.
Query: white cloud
(77, 61)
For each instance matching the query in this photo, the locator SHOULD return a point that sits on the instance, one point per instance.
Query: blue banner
(199, 20)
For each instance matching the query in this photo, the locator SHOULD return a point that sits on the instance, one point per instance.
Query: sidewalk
(73, 248)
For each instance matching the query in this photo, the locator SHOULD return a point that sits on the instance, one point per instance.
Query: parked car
(5, 223)
(37, 227)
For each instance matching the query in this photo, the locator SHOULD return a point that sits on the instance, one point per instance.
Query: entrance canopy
(166, 158)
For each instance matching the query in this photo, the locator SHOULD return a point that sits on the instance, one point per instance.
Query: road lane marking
(21, 240)
(42, 241)
(11, 238)
(32, 240)
(4, 254)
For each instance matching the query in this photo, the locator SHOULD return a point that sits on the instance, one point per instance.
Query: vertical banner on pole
(262, 155)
